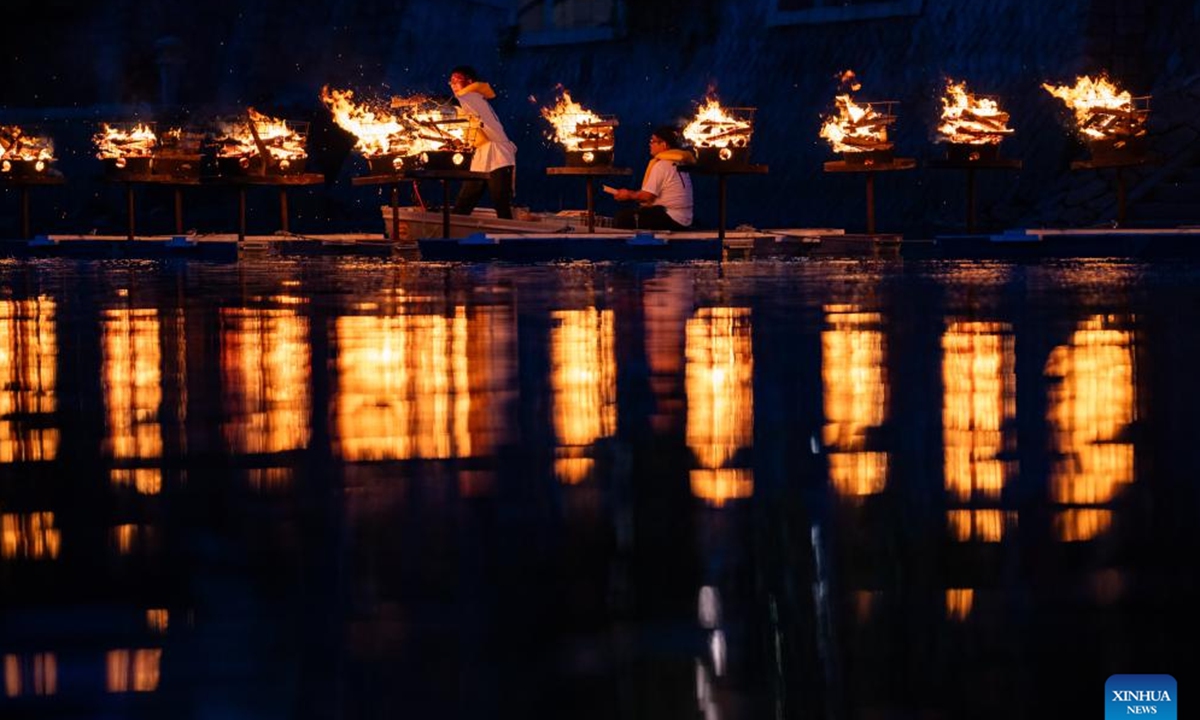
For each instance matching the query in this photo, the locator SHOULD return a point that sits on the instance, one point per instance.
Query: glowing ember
(856, 128)
(122, 141)
(715, 126)
(16, 145)
(577, 128)
(971, 120)
(1102, 110)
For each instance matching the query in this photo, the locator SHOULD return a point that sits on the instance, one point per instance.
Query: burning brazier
(441, 138)
(859, 131)
(381, 135)
(24, 152)
(587, 138)
(596, 139)
(391, 163)
(721, 135)
(1111, 120)
(444, 159)
(261, 145)
(126, 148)
(453, 150)
(971, 126)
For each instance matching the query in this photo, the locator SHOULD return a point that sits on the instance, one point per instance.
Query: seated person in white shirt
(665, 198)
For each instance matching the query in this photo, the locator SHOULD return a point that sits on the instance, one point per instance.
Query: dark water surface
(812, 489)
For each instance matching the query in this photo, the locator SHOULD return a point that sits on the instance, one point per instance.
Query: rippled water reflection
(832, 489)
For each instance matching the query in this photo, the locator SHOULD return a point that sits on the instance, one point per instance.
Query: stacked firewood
(1115, 123)
(261, 136)
(17, 145)
(125, 140)
(973, 127)
(869, 131)
(12, 139)
(453, 133)
(722, 133)
(594, 135)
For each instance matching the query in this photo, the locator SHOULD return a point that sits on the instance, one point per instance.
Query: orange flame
(1102, 110)
(236, 139)
(116, 142)
(578, 128)
(376, 130)
(849, 80)
(719, 127)
(409, 126)
(439, 127)
(858, 128)
(971, 120)
(16, 144)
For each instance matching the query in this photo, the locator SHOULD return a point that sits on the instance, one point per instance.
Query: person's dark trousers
(499, 185)
(653, 217)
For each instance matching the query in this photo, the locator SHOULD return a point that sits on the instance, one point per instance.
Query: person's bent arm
(475, 106)
(640, 196)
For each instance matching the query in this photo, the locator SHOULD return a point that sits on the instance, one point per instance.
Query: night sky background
(76, 64)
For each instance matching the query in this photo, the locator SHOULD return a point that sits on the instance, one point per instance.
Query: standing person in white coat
(495, 154)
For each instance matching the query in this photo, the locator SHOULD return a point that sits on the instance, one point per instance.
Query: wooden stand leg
(25, 212)
(970, 200)
(1120, 198)
(395, 213)
(241, 214)
(283, 210)
(591, 205)
(870, 203)
(721, 179)
(445, 209)
(129, 209)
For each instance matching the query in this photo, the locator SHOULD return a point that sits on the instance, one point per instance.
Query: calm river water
(331, 488)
